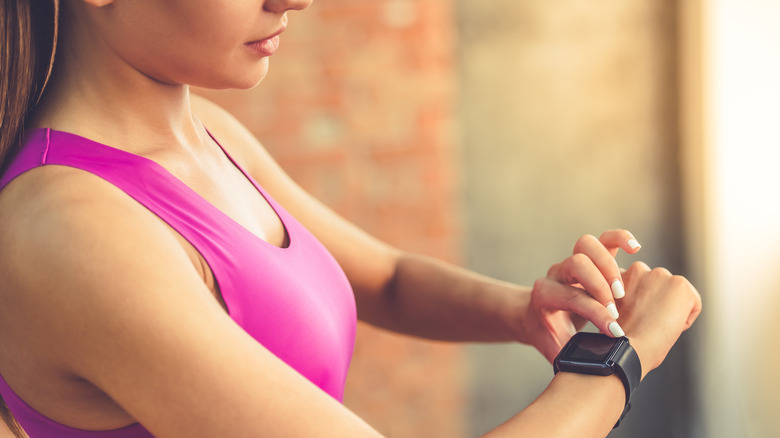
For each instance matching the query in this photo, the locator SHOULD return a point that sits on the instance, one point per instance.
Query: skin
(124, 307)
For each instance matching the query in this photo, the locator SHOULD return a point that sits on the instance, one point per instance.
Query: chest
(286, 291)
(220, 183)
(294, 300)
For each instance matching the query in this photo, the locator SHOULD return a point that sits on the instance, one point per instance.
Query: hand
(657, 308)
(581, 288)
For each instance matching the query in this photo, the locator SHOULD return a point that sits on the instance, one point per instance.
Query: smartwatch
(601, 355)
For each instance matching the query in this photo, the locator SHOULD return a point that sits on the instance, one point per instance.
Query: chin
(249, 79)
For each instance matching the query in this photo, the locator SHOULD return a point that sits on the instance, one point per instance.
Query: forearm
(572, 405)
(432, 299)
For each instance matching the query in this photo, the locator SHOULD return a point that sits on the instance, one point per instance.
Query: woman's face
(208, 43)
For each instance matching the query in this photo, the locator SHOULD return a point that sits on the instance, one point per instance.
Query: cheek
(206, 51)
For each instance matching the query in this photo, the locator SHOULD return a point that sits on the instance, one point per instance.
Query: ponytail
(28, 39)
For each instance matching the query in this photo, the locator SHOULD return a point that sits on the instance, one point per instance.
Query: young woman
(161, 276)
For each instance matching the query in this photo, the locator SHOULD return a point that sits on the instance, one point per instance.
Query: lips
(266, 46)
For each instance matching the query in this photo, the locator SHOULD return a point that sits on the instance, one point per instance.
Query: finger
(556, 296)
(556, 337)
(580, 269)
(620, 239)
(552, 346)
(638, 267)
(633, 275)
(604, 260)
(579, 322)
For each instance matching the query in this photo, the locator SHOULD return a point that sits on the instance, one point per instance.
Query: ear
(98, 3)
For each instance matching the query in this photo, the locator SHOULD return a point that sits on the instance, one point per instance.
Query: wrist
(641, 348)
(601, 398)
(646, 348)
(597, 354)
(514, 314)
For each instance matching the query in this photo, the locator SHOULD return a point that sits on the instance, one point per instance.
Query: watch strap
(628, 368)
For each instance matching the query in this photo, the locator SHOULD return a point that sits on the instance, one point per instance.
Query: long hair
(28, 40)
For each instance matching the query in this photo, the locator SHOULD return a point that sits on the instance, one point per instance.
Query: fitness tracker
(601, 355)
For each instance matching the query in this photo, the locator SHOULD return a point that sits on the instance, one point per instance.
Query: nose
(286, 5)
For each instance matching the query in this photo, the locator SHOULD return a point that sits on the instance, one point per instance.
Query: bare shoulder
(63, 208)
(74, 252)
(56, 206)
(67, 240)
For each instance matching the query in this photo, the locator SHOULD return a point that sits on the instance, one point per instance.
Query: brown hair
(28, 39)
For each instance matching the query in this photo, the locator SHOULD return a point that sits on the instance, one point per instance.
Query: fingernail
(612, 309)
(634, 244)
(616, 330)
(617, 289)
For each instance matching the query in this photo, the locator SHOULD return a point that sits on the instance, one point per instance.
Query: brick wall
(358, 108)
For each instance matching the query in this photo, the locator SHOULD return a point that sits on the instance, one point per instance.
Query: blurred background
(493, 133)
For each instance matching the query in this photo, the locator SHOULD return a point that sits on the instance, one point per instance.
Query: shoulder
(71, 243)
(65, 205)
(42, 201)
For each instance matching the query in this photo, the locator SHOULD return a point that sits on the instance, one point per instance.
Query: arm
(424, 297)
(572, 405)
(118, 303)
(429, 298)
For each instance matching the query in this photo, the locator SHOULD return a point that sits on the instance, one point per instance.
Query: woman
(151, 288)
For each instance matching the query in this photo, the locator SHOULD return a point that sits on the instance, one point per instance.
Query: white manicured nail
(634, 244)
(616, 330)
(612, 309)
(617, 289)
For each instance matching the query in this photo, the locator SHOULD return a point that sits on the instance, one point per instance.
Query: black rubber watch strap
(628, 368)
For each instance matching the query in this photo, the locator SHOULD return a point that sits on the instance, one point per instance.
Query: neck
(94, 93)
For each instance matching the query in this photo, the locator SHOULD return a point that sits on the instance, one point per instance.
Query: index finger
(604, 261)
(617, 239)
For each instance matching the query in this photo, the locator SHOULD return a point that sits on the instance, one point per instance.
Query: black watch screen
(591, 350)
(589, 353)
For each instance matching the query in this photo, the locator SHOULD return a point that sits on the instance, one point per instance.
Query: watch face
(590, 349)
(589, 353)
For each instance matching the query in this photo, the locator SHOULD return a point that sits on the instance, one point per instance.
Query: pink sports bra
(295, 301)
